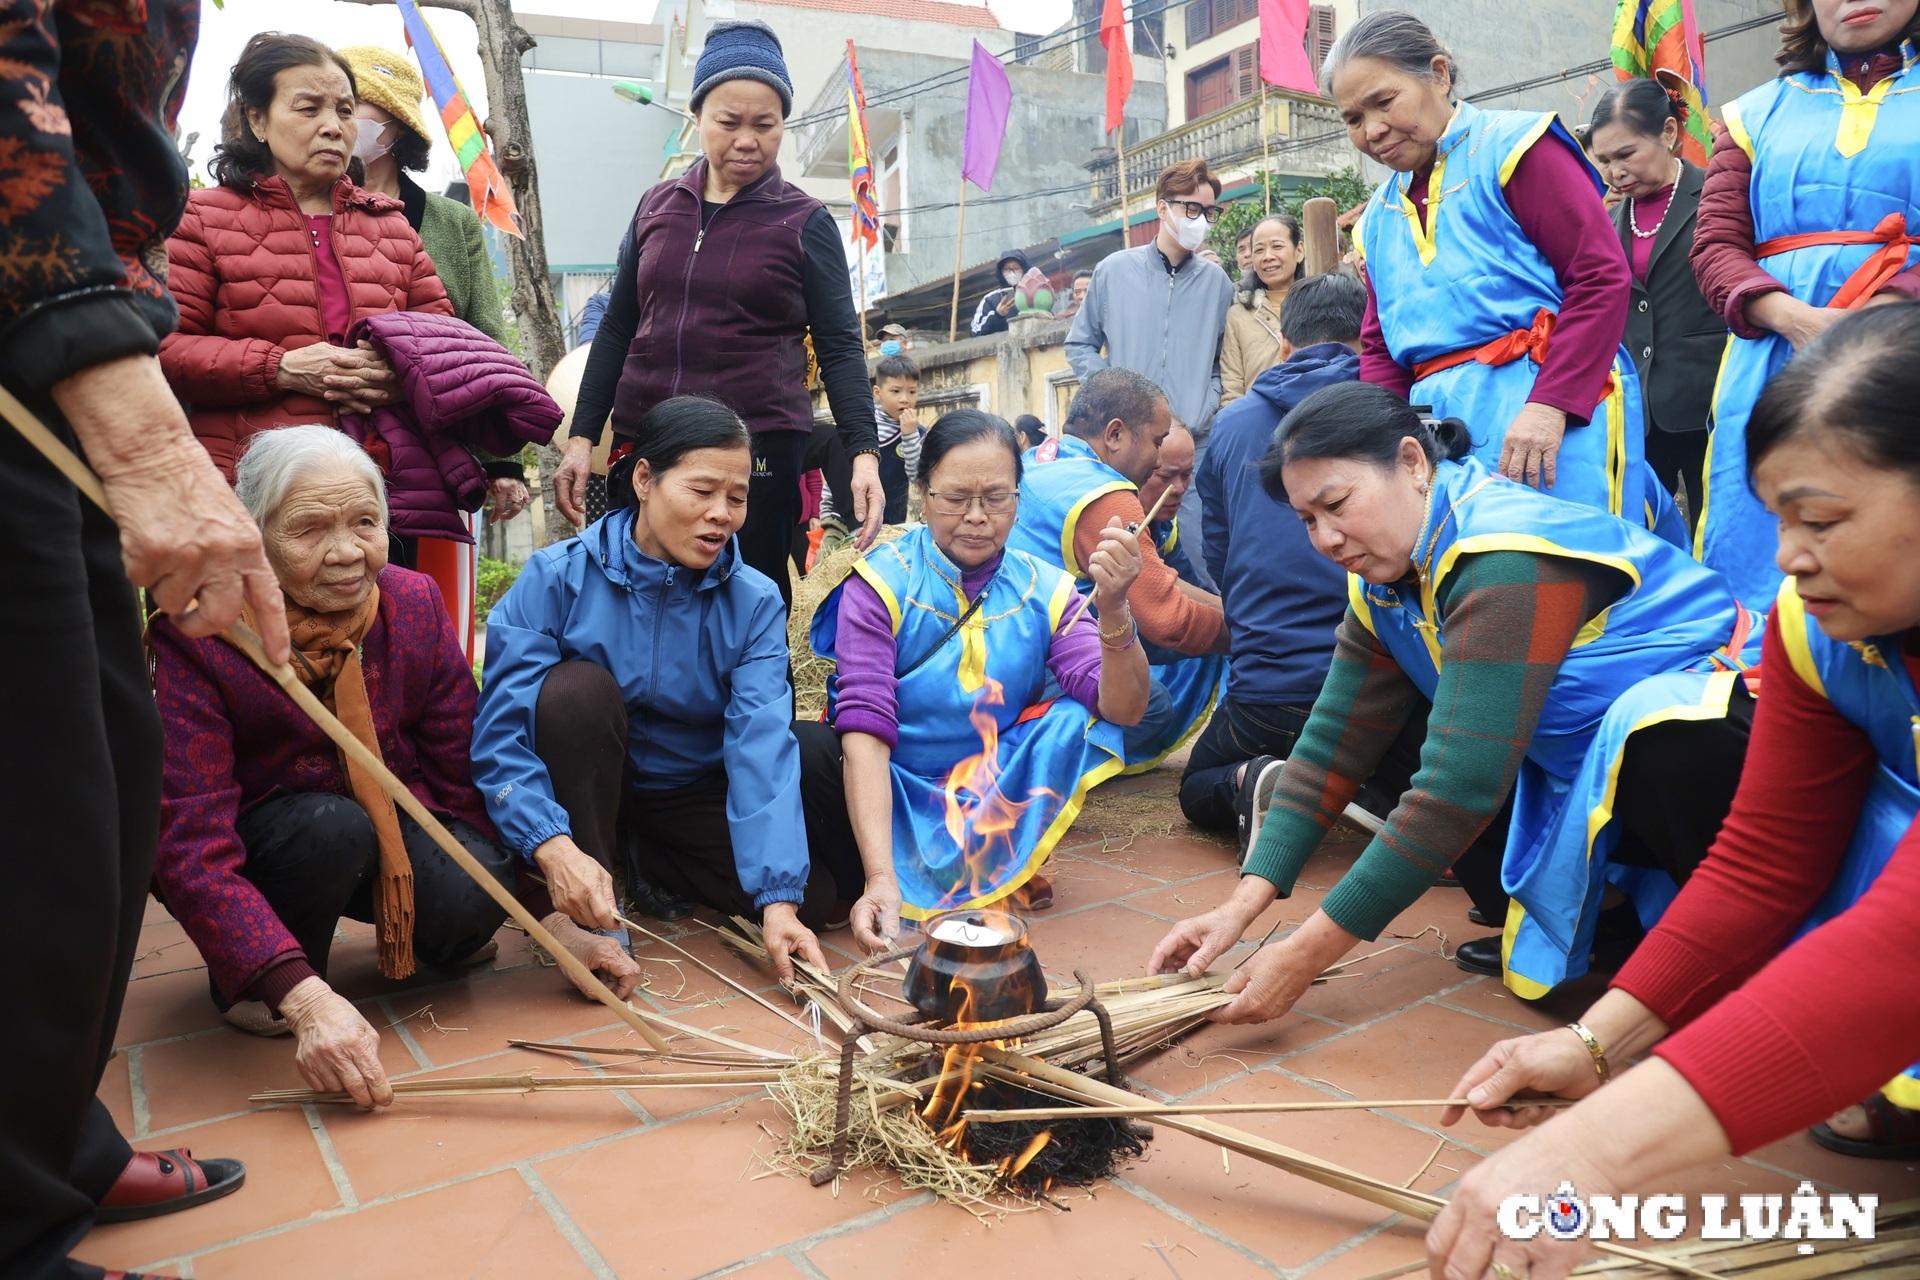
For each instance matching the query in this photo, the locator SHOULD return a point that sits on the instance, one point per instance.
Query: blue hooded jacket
(702, 661)
(1283, 599)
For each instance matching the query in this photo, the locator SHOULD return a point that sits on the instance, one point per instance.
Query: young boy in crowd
(896, 399)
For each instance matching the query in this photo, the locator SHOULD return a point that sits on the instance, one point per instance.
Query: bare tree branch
(468, 7)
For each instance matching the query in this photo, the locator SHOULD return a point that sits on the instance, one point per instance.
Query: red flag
(1113, 38)
(1283, 45)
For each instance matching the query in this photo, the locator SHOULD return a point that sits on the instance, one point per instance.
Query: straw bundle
(1893, 1254)
(810, 670)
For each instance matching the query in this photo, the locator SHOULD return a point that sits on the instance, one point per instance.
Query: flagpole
(959, 242)
(863, 282)
(1120, 155)
(1266, 162)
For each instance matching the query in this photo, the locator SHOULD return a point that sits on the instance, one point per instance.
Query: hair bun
(1451, 439)
(1675, 87)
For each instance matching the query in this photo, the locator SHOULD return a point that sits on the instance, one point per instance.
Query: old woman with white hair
(268, 837)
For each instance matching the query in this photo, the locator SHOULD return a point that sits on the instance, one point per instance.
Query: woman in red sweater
(1755, 1032)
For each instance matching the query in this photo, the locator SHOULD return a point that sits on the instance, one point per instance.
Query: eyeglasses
(958, 504)
(1194, 209)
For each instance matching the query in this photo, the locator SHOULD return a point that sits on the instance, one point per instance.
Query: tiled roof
(956, 15)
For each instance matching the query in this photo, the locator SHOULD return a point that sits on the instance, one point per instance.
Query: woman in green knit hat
(392, 144)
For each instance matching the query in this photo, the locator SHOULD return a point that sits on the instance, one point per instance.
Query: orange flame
(980, 818)
(1017, 1164)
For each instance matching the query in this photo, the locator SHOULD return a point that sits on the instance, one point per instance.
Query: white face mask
(1011, 275)
(367, 147)
(1190, 232)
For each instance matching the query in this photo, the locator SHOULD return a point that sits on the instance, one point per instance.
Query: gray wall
(597, 155)
(1053, 129)
(1500, 42)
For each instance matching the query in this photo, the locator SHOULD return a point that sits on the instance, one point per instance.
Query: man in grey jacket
(1160, 310)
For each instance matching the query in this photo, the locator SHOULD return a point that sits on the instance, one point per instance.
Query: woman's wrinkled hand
(876, 917)
(1114, 564)
(335, 1049)
(1530, 450)
(1196, 942)
(508, 498)
(578, 885)
(1268, 985)
(601, 954)
(1552, 1064)
(1465, 1241)
(869, 500)
(362, 380)
(570, 480)
(786, 939)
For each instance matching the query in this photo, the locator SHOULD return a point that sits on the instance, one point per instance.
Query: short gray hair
(1394, 37)
(276, 459)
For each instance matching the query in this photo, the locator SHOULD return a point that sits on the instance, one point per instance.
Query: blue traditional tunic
(1869, 684)
(1826, 158)
(1468, 276)
(987, 683)
(1059, 480)
(1669, 649)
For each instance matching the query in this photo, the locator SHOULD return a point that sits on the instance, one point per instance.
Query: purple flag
(988, 96)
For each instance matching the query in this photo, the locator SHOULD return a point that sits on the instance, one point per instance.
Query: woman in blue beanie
(728, 268)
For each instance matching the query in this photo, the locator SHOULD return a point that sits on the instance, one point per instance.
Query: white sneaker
(1255, 799)
(254, 1018)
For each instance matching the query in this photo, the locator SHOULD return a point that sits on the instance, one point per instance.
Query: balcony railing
(1304, 135)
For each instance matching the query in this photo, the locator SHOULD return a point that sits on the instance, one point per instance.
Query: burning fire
(954, 1092)
(980, 818)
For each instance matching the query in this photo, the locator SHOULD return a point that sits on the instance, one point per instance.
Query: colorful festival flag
(988, 97)
(1114, 39)
(1660, 39)
(866, 209)
(486, 188)
(1283, 46)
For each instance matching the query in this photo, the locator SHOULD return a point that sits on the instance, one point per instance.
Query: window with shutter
(1249, 10)
(1322, 28)
(1199, 21)
(1246, 71)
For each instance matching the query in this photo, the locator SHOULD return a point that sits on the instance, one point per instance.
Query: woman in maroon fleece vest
(726, 272)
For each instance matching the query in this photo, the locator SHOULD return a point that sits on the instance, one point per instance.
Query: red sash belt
(1872, 275)
(1530, 343)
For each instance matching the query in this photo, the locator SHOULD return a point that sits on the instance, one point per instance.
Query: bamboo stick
(471, 1086)
(242, 638)
(959, 244)
(1320, 219)
(758, 999)
(631, 1051)
(992, 1116)
(1418, 1204)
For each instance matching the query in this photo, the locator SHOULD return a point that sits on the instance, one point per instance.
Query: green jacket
(451, 233)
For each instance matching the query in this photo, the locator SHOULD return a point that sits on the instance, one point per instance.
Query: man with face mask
(998, 305)
(1160, 310)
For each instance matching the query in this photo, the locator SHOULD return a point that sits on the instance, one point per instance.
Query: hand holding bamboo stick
(1147, 1111)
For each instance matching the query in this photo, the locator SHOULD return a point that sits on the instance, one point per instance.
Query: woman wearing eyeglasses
(1497, 289)
(945, 640)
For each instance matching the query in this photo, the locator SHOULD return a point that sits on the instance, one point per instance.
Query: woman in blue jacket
(636, 683)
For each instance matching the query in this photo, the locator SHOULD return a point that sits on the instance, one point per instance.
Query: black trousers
(315, 858)
(80, 788)
(1679, 460)
(677, 839)
(1676, 784)
(773, 505)
(1240, 731)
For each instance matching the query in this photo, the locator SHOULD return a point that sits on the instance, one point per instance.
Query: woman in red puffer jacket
(272, 266)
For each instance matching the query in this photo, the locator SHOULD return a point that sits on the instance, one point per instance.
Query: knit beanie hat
(389, 81)
(742, 51)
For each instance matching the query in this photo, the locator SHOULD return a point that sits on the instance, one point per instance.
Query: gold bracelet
(1595, 1049)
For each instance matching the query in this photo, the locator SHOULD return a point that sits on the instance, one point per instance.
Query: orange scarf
(326, 658)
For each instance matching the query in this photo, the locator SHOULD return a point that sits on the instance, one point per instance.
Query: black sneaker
(1256, 793)
(650, 899)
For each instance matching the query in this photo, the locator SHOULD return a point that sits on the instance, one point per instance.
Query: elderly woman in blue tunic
(1497, 288)
(957, 766)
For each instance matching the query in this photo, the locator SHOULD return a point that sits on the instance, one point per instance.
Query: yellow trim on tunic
(872, 578)
(1858, 111)
(1359, 241)
(1791, 612)
(1520, 148)
(1730, 116)
(1903, 1090)
(1186, 735)
(1361, 606)
(1615, 408)
(1043, 849)
(1706, 463)
(1712, 706)
(1594, 627)
(1423, 231)
(1067, 557)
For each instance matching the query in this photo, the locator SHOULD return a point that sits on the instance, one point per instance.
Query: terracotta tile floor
(670, 1184)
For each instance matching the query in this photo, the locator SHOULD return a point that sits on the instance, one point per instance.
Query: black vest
(1675, 338)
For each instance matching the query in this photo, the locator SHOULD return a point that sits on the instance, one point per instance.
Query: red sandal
(162, 1182)
(1893, 1133)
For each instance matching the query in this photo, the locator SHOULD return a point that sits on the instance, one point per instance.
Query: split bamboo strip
(758, 999)
(242, 638)
(1226, 1109)
(631, 1051)
(1416, 1204)
(471, 1086)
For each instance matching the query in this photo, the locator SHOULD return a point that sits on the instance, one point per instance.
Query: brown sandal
(1893, 1133)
